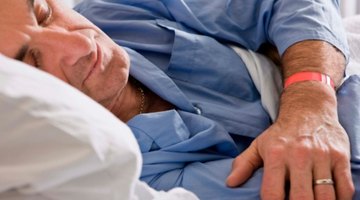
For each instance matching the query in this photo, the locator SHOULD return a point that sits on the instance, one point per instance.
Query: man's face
(54, 38)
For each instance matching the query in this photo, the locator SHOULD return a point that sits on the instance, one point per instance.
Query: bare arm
(306, 142)
(310, 99)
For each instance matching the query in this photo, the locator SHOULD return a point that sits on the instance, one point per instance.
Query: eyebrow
(20, 55)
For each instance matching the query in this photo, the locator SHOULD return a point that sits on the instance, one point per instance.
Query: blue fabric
(178, 49)
(246, 22)
(349, 116)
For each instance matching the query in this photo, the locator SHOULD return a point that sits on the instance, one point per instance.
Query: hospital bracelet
(309, 76)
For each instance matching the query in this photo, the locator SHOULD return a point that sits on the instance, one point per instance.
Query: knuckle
(350, 189)
(302, 153)
(304, 145)
(339, 153)
(325, 196)
(299, 192)
(300, 164)
(302, 149)
(267, 194)
(339, 156)
(237, 161)
(276, 152)
(322, 151)
(322, 154)
(301, 196)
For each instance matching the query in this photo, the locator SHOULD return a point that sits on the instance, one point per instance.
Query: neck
(131, 102)
(136, 99)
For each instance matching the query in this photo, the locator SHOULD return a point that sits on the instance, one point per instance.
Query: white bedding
(91, 170)
(57, 143)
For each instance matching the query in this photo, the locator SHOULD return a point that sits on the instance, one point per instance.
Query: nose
(63, 47)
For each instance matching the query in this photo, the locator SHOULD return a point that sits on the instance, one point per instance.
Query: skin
(305, 143)
(49, 40)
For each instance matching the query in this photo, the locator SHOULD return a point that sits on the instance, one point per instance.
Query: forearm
(311, 97)
(307, 142)
(316, 56)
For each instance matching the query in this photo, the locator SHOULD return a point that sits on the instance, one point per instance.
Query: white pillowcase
(57, 143)
(55, 140)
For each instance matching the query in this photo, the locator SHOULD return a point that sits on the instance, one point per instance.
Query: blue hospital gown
(179, 49)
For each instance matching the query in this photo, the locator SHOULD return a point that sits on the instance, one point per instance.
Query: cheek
(108, 86)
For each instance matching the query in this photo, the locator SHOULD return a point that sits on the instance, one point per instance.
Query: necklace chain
(142, 100)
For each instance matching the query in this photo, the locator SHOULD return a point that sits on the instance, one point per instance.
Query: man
(306, 145)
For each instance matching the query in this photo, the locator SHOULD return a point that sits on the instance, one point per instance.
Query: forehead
(15, 13)
(14, 7)
(15, 16)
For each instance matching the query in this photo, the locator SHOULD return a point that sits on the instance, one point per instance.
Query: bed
(82, 155)
(57, 143)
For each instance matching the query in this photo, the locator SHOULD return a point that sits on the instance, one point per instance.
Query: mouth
(96, 64)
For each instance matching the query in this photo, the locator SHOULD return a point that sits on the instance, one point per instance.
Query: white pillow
(58, 142)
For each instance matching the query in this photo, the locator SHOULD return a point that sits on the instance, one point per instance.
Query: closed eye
(43, 13)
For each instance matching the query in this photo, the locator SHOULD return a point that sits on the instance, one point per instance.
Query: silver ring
(325, 181)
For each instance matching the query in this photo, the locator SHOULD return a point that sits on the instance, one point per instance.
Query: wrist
(307, 101)
(309, 76)
(317, 56)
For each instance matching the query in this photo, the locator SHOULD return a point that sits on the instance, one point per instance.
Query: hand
(307, 147)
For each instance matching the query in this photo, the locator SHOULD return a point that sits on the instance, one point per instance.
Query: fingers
(273, 186)
(300, 163)
(323, 170)
(243, 166)
(324, 192)
(343, 181)
(343, 187)
(301, 176)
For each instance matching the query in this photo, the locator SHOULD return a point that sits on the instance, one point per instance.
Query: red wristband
(309, 76)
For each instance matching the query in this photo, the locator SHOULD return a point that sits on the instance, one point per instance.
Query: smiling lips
(97, 62)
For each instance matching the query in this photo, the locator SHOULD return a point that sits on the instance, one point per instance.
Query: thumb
(244, 165)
